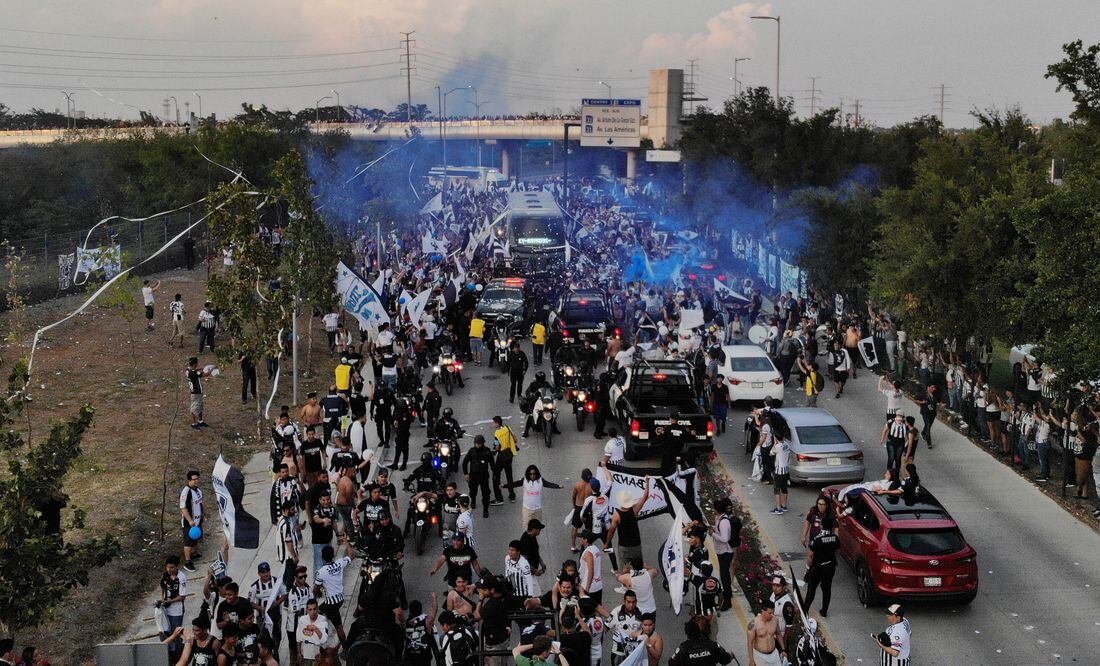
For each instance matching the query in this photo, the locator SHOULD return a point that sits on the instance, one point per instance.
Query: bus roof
(533, 203)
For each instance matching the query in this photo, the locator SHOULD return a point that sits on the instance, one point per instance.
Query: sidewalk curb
(822, 623)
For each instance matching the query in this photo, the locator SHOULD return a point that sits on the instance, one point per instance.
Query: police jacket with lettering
(699, 652)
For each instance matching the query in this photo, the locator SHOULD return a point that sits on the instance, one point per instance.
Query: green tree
(38, 564)
(1079, 73)
(843, 226)
(122, 298)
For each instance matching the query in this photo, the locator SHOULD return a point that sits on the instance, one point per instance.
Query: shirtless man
(765, 646)
(460, 597)
(345, 498)
(311, 414)
(290, 459)
(582, 490)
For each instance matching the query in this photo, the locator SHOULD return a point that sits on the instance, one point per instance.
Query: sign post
(611, 123)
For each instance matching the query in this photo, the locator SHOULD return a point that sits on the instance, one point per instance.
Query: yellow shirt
(507, 440)
(811, 380)
(477, 327)
(343, 376)
(538, 334)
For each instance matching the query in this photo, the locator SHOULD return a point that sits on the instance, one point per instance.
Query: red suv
(905, 547)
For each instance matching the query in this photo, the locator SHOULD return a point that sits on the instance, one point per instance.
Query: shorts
(628, 553)
(840, 376)
(187, 540)
(196, 404)
(477, 345)
(780, 483)
(332, 613)
(576, 520)
(990, 417)
(343, 522)
(148, 311)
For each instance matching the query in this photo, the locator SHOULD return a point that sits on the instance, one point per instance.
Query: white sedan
(750, 374)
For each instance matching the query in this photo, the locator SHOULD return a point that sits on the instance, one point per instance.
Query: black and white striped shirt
(897, 432)
(900, 635)
(295, 605)
(288, 531)
(520, 576)
(259, 592)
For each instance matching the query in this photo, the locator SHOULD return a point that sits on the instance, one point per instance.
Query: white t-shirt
(385, 338)
(312, 635)
(465, 524)
(597, 568)
(147, 294)
(598, 627)
(893, 399)
(177, 310)
(782, 452)
(615, 450)
(900, 640)
(532, 494)
(642, 584)
(331, 578)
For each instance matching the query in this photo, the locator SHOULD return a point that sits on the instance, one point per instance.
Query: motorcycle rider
(384, 540)
(603, 401)
(433, 402)
(427, 480)
(446, 340)
(530, 396)
(447, 427)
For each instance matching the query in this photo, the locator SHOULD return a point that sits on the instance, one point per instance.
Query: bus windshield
(538, 231)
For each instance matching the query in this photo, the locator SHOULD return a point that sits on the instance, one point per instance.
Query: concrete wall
(666, 101)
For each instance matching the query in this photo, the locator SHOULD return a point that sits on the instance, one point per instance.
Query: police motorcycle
(443, 445)
(545, 413)
(578, 389)
(447, 368)
(424, 510)
(502, 342)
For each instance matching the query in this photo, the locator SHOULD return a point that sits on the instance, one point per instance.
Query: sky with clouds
(117, 56)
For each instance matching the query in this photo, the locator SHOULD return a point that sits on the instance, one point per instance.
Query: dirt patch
(141, 401)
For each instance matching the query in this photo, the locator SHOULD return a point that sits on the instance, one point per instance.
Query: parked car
(821, 450)
(905, 548)
(750, 374)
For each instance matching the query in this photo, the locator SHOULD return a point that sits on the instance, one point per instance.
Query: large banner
(359, 298)
(242, 530)
(672, 557)
(624, 486)
(107, 259)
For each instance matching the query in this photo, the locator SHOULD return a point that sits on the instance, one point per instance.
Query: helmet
(448, 412)
(540, 376)
(425, 457)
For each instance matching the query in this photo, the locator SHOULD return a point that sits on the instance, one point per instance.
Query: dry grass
(139, 399)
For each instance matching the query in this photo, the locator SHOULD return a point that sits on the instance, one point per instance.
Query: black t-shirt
(628, 532)
(370, 510)
(577, 647)
(459, 562)
(931, 403)
(334, 407)
(699, 652)
(389, 492)
(311, 453)
(721, 394)
(494, 619)
(824, 546)
(248, 645)
(358, 405)
(323, 533)
(233, 612)
(529, 548)
(342, 459)
(194, 379)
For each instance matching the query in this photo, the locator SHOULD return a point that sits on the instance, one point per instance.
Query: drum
(758, 334)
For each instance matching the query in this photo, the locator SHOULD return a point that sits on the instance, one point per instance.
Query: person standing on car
(896, 641)
(821, 561)
(517, 368)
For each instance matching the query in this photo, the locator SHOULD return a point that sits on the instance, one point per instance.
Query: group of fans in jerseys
(327, 477)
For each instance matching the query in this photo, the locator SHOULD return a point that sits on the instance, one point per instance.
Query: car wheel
(629, 452)
(865, 587)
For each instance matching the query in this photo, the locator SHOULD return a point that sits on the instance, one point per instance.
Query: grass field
(141, 435)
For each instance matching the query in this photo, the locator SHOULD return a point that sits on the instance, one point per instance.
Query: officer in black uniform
(381, 410)
(425, 478)
(433, 403)
(477, 467)
(517, 368)
(822, 561)
(603, 402)
(530, 396)
(698, 650)
(402, 422)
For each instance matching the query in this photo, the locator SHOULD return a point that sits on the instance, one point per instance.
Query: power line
(28, 86)
(177, 74)
(40, 51)
(156, 39)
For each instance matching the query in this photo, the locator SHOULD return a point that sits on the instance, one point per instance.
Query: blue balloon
(402, 300)
(471, 286)
(195, 533)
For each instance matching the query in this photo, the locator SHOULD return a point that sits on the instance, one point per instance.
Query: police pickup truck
(584, 314)
(656, 404)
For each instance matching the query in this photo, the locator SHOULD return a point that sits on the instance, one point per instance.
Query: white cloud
(726, 33)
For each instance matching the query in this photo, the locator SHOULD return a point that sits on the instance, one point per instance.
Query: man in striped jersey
(330, 582)
(893, 438)
(895, 641)
(289, 539)
(261, 591)
(294, 606)
(518, 571)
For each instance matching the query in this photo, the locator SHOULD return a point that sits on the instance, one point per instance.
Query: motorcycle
(546, 414)
(581, 395)
(425, 516)
(501, 344)
(445, 455)
(447, 369)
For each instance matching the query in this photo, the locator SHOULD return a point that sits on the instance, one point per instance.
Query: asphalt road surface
(1039, 588)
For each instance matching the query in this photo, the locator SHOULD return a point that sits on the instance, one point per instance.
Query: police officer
(477, 467)
(822, 564)
(603, 400)
(424, 478)
(433, 402)
(530, 396)
(447, 427)
(517, 368)
(381, 410)
(895, 642)
(698, 650)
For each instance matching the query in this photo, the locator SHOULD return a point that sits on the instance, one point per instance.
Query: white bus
(482, 179)
(535, 224)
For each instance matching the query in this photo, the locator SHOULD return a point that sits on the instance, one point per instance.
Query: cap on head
(895, 609)
(535, 524)
(263, 566)
(778, 580)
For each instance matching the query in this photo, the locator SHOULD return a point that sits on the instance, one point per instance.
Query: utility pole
(943, 97)
(856, 120)
(778, 26)
(408, 69)
(564, 164)
(813, 95)
(691, 85)
(736, 81)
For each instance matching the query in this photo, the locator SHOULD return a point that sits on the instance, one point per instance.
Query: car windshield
(538, 231)
(751, 364)
(821, 435)
(501, 299)
(927, 542)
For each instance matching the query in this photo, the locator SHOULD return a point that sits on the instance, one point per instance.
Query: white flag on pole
(417, 305)
(358, 298)
(433, 205)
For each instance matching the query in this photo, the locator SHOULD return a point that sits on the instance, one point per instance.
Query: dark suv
(584, 314)
(905, 547)
(505, 299)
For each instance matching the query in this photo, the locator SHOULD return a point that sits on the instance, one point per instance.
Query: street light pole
(737, 81)
(446, 183)
(317, 108)
(173, 98)
(68, 103)
(340, 109)
(608, 87)
(200, 103)
(778, 25)
(477, 106)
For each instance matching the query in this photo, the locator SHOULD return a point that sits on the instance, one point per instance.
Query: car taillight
(590, 407)
(778, 381)
(887, 560)
(805, 458)
(710, 428)
(858, 456)
(618, 331)
(435, 520)
(970, 559)
(565, 332)
(735, 381)
(721, 278)
(692, 276)
(458, 366)
(635, 428)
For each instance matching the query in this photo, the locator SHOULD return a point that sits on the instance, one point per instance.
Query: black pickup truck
(656, 403)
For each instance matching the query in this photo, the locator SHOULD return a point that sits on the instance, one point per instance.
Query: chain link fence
(47, 264)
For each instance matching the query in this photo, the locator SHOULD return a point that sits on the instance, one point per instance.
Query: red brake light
(805, 458)
(435, 520)
(583, 301)
(691, 276)
(706, 267)
(858, 456)
(710, 428)
(618, 331)
(735, 381)
(660, 376)
(589, 406)
(721, 278)
(777, 381)
(514, 281)
(458, 366)
(565, 332)
(635, 428)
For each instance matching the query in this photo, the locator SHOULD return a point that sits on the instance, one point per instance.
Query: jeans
(725, 566)
(823, 576)
(893, 454)
(1022, 451)
(721, 411)
(1043, 451)
(929, 419)
(892, 353)
(317, 548)
(536, 353)
(175, 648)
(206, 337)
(503, 465)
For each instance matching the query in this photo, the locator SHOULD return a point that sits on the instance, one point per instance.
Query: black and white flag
(242, 530)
